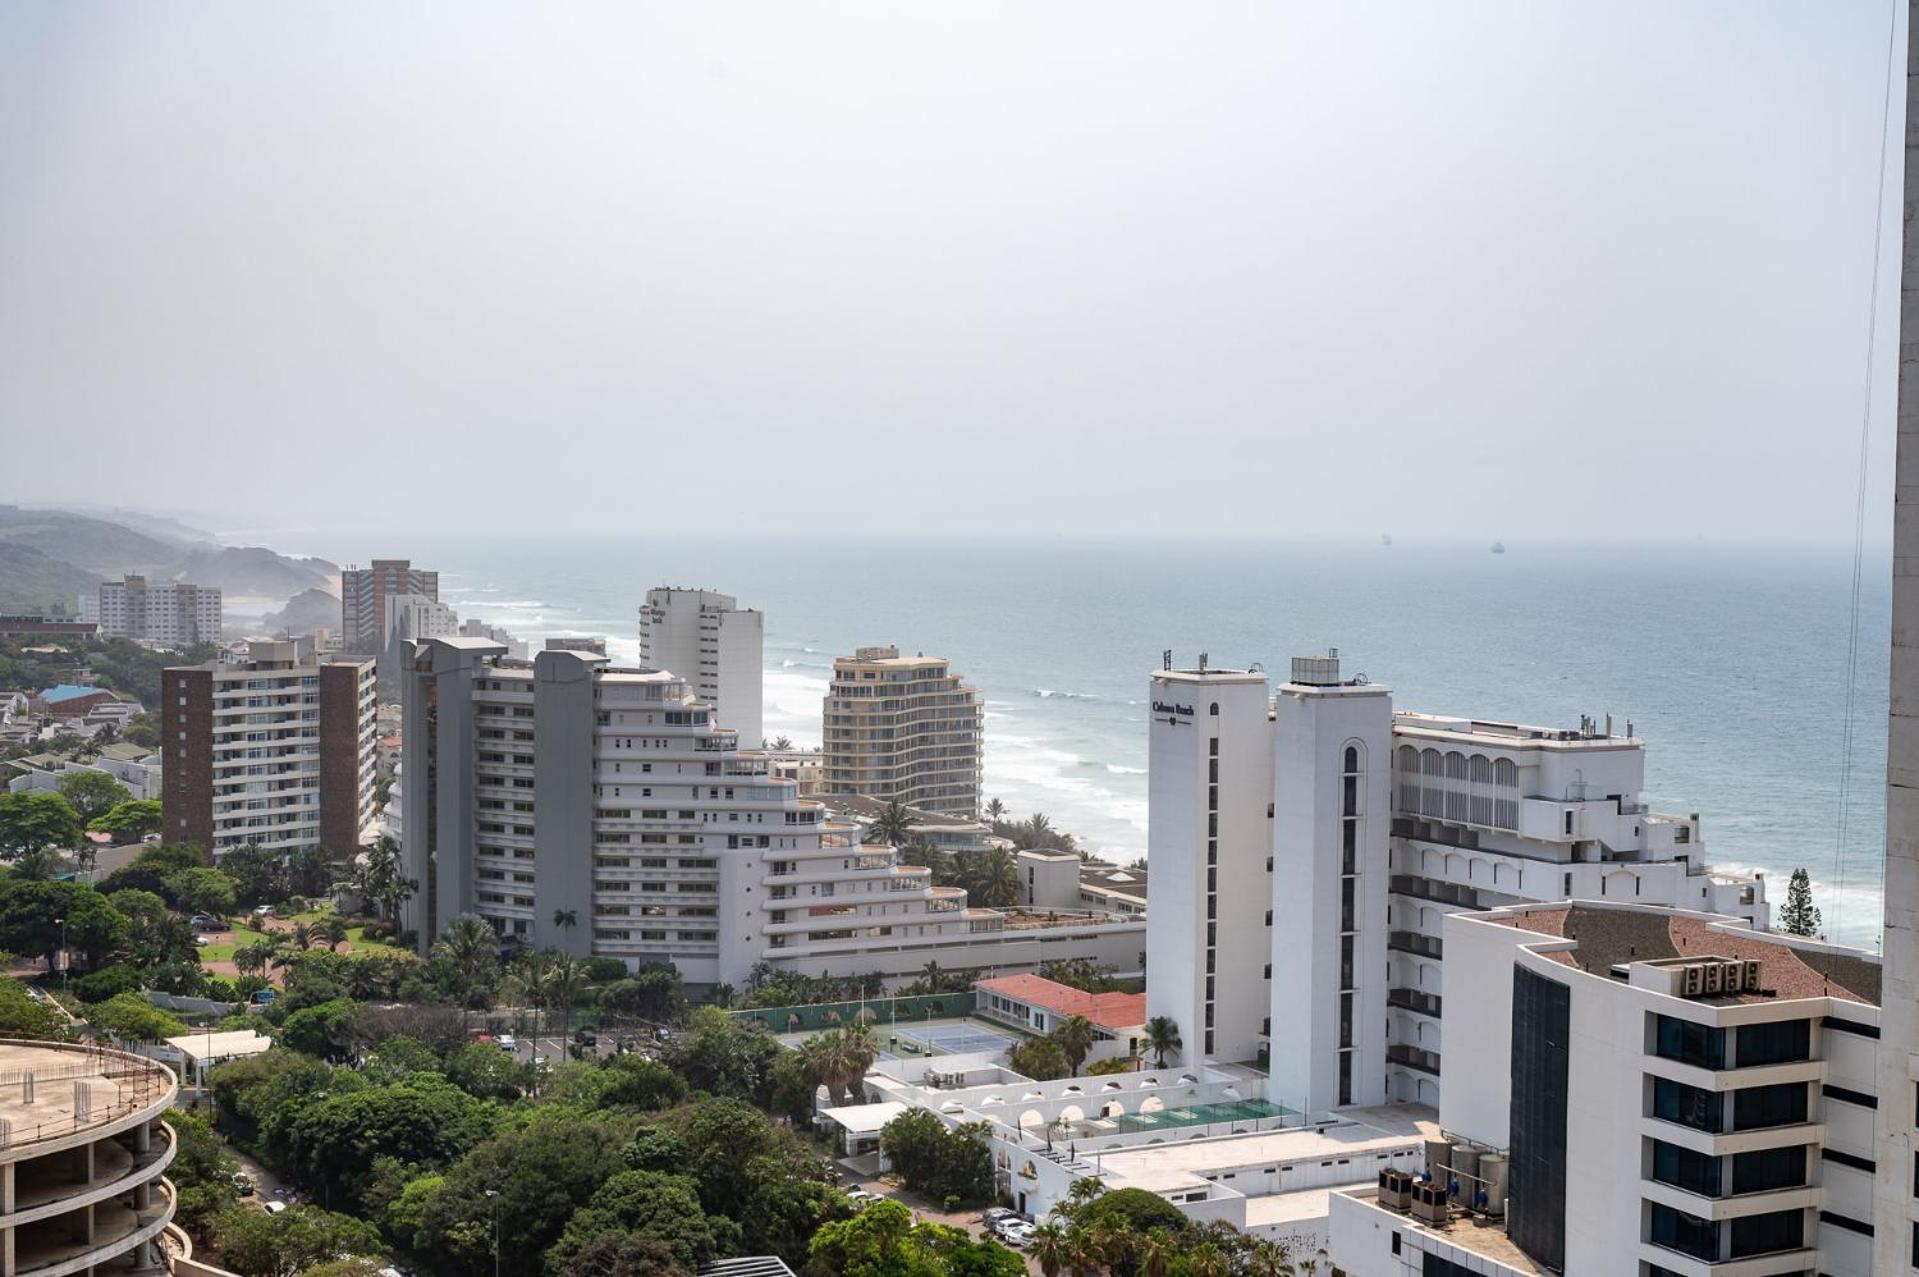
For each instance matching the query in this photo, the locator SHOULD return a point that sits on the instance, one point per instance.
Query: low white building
(1634, 1090)
(1037, 1005)
(1062, 880)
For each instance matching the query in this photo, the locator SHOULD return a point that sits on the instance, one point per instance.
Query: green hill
(32, 583)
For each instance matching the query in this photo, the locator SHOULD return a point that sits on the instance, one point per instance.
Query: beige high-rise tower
(903, 729)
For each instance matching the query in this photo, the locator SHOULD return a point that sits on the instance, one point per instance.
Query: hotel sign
(1174, 713)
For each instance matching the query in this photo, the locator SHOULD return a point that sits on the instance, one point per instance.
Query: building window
(1700, 1045)
(1687, 1234)
(1765, 1234)
(1782, 1042)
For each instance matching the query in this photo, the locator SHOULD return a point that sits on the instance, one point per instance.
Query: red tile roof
(1107, 1010)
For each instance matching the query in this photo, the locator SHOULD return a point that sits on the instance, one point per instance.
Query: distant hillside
(54, 554)
(32, 583)
(304, 613)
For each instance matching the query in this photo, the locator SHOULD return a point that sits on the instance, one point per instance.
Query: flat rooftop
(1613, 935)
(121, 1083)
(1164, 1166)
(1448, 727)
(1479, 1236)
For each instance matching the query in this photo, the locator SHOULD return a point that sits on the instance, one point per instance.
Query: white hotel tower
(1307, 845)
(604, 810)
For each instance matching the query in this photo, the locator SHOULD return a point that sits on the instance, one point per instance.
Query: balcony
(1413, 1058)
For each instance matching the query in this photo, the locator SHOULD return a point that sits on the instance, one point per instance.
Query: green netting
(832, 1015)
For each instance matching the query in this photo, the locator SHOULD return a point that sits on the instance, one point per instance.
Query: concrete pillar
(82, 1222)
(6, 1189)
(82, 1163)
(143, 1138)
(142, 1195)
(1899, 1000)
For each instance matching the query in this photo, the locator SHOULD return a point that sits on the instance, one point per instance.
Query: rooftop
(1108, 1010)
(1610, 935)
(1099, 873)
(861, 807)
(1473, 1234)
(69, 691)
(1157, 1167)
(42, 1084)
(215, 1047)
(1589, 735)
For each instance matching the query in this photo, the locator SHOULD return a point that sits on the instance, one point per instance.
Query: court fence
(814, 1017)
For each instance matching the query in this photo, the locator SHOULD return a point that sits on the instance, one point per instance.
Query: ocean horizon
(1729, 661)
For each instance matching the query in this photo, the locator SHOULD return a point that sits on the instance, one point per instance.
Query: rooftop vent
(1317, 671)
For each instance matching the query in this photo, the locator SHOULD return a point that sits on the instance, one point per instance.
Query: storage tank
(1465, 1173)
(1492, 1169)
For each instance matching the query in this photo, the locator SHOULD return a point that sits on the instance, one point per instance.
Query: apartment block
(903, 729)
(275, 751)
(713, 643)
(363, 600)
(170, 614)
(602, 810)
(1637, 1091)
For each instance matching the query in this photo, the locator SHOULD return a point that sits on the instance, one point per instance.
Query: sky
(1593, 270)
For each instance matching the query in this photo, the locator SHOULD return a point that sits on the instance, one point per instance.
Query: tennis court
(962, 1038)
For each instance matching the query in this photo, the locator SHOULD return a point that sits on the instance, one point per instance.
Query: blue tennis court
(948, 1039)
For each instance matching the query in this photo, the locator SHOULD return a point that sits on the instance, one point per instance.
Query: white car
(508, 1042)
(274, 1208)
(1016, 1232)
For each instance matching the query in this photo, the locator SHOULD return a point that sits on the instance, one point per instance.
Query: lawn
(221, 950)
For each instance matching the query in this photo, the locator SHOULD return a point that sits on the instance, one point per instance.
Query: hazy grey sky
(1522, 269)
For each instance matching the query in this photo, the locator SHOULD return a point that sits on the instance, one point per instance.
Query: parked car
(993, 1215)
(207, 922)
(263, 911)
(243, 1183)
(275, 1207)
(508, 1042)
(1016, 1233)
(860, 1197)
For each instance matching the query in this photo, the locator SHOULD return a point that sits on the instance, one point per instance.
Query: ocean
(1731, 663)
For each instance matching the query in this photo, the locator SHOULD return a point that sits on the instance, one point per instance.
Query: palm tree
(1050, 1248)
(564, 978)
(995, 809)
(860, 1051)
(252, 959)
(566, 919)
(1083, 1193)
(526, 981)
(1207, 1260)
(997, 875)
(1075, 1035)
(1162, 1039)
(301, 935)
(1155, 1252)
(472, 953)
(333, 931)
(895, 824)
(1269, 1258)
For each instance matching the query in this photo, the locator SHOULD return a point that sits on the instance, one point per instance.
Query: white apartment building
(1635, 1092)
(1378, 824)
(903, 729)
(604, 810)
(277, 752)
(169, 614)
(1208, 941)
(713, 643)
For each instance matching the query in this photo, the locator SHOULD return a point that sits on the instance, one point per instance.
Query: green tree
(33, 822)
(259, 876)
(129, 821)
(1076, 1036)
(143, 730)
(202, 890)
(1038, 1058)
(35, 916)
(131, 1018)
(995, 878)
(655, 992)
(639, 1083)
(154, 935)
(995, 811)
(894, 825)
(149, 870)
(256, 1244)
(664, 1207)
(880, 1241)
(324, 1030)
(1798, 916)
(610, 1255)
(939, 1163)
(92, 794)
(540, 1174)
(202, 1171)
(1162, 1039)
(420, 1120)
(25, 1017)
(724, 1056)
(471, 952)
(484, 1070)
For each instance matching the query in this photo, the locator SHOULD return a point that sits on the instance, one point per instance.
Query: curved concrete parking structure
(83, 1153)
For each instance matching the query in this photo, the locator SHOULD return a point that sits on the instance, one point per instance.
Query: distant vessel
(1499, 547)
(1385, 538)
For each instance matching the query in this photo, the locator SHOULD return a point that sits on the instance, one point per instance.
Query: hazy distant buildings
(515, 647)
(713, 643)
(592, 644)
(274, 751)
(639, 828)
(363, 596)
(903, 729)
(173, 614)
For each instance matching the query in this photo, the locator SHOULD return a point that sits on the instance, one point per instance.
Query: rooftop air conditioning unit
(1752, 975)
(1694, 983)
(1735, 976)
(1395, 1189)
(1715, 977)
(1429, 1203)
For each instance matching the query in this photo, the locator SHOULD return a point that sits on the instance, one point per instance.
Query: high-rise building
(363, 596)
(1378, 824)
(1633, 1091)
(272, 751)
(172, 614)
(1210, 756)
(607, 811)
(903, 729)
(1896, 1218)
(713, 643)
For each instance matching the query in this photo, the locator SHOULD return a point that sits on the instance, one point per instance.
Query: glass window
(1785, 1042)
(1690, 1043)
(1687, 1105)
(1766, 1169)
(1683, 1168)
(1687, 1234)
(1764, 1234)
(1761, 1106)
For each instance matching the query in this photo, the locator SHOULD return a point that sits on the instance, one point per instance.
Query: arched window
(1214, 710)
(1429, 762)
(1455, 766)
(1408, 759)
(1482, 770)
(1505, 773)
(1352, 759)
